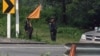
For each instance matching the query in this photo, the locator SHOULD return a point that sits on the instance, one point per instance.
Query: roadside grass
(41, 33)
(64, 34)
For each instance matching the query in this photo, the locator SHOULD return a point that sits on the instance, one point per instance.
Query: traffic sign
(9, 6)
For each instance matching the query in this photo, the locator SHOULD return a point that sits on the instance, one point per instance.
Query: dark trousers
(53, 35)
(30, 31)
(30, 35)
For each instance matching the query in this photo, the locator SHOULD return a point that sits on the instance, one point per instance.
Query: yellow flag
(35, 14)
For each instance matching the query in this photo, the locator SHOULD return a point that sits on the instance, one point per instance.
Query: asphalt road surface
(31, 50)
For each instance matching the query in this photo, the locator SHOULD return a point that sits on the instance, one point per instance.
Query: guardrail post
(72, 50)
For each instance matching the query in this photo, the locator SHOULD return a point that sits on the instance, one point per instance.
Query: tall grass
(64, 34)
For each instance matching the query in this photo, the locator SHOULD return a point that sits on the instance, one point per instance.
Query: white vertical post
(8, 25)
(17, 18)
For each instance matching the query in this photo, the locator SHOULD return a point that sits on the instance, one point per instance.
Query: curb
(14, 41)
(21, 43)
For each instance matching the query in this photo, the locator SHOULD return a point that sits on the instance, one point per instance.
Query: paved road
(31, 50)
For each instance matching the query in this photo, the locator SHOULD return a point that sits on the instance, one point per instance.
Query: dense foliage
(77, 13)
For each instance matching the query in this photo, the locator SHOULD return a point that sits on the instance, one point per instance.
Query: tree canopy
(78, 13)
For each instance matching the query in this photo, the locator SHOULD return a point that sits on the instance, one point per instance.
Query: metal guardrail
(82, 49)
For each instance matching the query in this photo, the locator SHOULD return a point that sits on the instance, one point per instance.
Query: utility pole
(17, 18)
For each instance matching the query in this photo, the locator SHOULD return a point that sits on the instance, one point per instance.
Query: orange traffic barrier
(72, 50)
